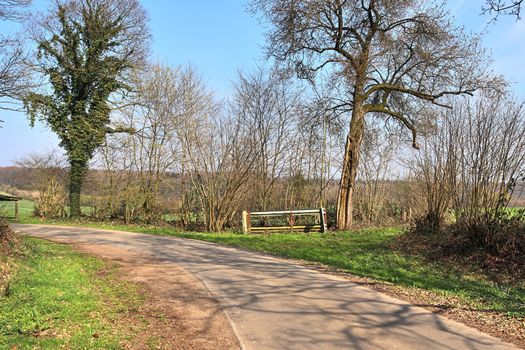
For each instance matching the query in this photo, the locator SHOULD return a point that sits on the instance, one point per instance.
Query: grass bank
(365, 253)
(58, 298)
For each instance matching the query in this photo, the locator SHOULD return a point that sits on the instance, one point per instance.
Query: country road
(275, 304)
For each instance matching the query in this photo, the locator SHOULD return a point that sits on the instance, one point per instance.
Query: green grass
(25, 210)
(60, 299)
(366, 253)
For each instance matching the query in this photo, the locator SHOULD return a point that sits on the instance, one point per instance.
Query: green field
(25, 210)
(58, 299)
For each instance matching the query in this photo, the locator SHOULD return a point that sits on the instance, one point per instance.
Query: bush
(496, 245)
(7, 238)
(51, 201)
(502, 239)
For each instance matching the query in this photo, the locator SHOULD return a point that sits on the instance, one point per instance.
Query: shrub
(502, 239)
(51, 201)
(6, 238)
(496, 245)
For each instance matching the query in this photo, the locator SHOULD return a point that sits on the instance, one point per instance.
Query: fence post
(245, 216)
(322, 219)
(291, 220)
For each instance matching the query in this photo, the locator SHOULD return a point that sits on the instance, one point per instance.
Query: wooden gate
(284, 221)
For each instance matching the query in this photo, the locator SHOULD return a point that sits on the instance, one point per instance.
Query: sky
(221, 37)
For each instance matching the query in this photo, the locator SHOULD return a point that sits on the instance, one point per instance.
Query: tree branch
(381, 108)
(419, 94)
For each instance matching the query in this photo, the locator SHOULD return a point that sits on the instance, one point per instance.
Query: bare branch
(379, 108)
(498, 7)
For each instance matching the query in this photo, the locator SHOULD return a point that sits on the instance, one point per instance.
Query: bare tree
(313, 162)
(155, 116)
(377, 151)
(13, 73)
(180, 130)
(13, 10)
(267, 106)
(222, 159)
(384, 53)
(436, 170)
(474, 159)
(490, 155)
(113, 160)
(145, 158)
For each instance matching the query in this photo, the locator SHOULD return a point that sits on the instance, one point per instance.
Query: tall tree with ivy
(85, 50)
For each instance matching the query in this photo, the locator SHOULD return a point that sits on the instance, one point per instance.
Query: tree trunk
(350, 164)
(77, 173)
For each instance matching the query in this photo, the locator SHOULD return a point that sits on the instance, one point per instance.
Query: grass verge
(58, 298)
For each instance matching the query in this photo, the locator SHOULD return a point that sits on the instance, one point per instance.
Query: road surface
(275, 304)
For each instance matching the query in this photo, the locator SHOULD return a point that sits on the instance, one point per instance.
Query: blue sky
(220, 37)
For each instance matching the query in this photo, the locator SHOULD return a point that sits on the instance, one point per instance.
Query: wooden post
(245, 218)
(291, 220)
(16, 210)
(322, 219)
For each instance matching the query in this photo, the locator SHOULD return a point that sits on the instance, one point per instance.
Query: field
(25, 209)
(58, 298)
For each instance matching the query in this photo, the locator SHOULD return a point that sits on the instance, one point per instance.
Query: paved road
(274, 304)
